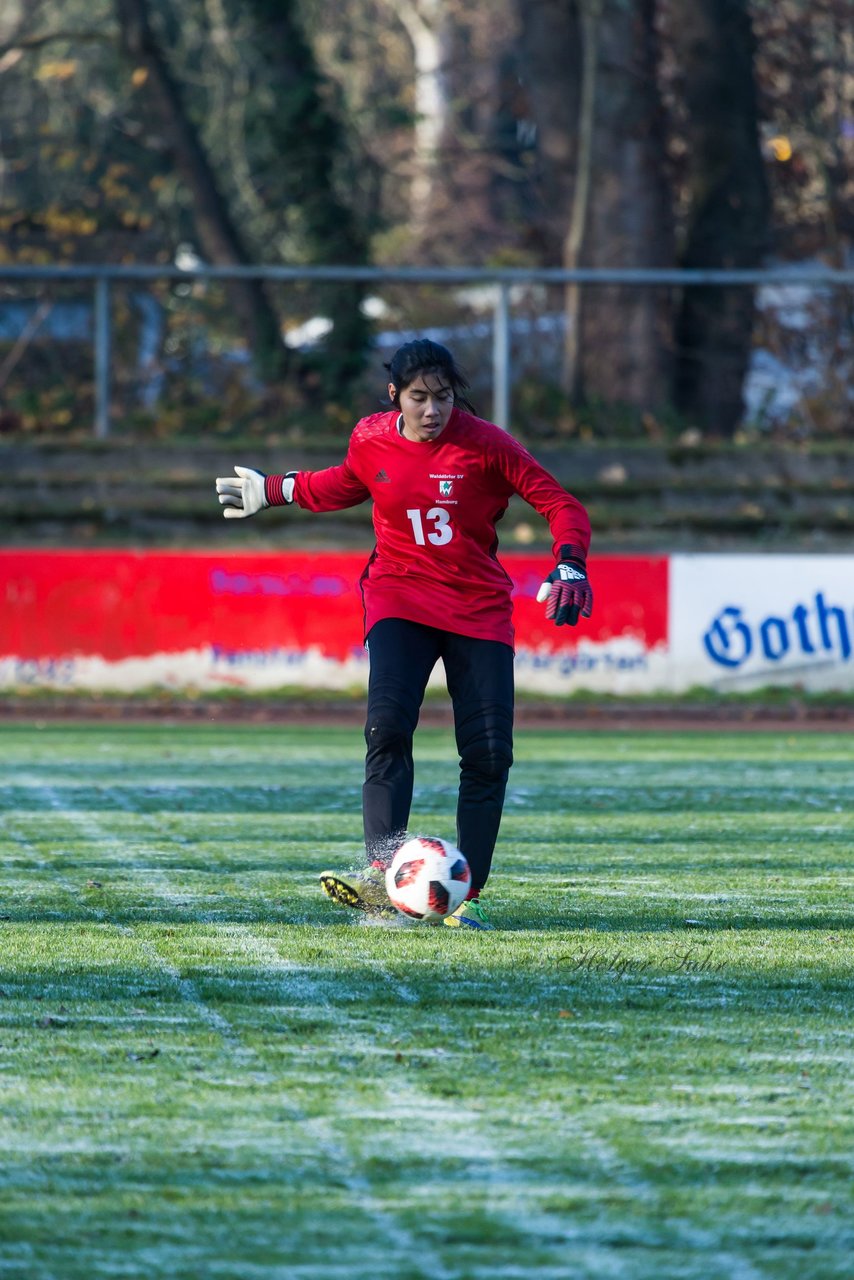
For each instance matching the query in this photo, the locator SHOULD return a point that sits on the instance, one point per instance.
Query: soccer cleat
(470, 915)
(362, 890)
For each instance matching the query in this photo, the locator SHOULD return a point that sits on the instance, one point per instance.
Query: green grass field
(209, 1070)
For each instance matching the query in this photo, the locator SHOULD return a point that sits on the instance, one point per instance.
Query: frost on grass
(470, 1109)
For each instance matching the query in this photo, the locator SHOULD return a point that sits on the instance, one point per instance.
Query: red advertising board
(116, 605)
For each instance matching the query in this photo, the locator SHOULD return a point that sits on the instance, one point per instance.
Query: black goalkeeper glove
(566, 590)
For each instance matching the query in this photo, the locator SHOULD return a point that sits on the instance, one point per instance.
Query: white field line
(469, 1139)
(428, 1264)
(495, 1173)
(98, 835)
(157, 876)
(507, 1197)
(500, 1176)
(260, 951)
(73, 890)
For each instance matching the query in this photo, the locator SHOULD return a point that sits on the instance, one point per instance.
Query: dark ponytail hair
(422, 356)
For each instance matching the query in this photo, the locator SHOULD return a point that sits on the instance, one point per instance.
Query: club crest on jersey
(446, 488)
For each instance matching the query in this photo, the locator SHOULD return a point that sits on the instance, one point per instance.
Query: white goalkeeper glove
(249, 491)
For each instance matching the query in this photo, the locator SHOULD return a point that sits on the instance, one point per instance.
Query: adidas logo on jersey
(383, 476)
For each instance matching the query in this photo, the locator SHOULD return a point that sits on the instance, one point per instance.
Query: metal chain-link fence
(160, 350)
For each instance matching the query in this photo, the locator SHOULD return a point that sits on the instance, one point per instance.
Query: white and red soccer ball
(428, 878)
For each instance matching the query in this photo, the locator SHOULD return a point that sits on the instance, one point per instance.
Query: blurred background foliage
(526, 133)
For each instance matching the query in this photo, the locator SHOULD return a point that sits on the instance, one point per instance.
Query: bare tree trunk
(728, 208)
(591, 15)
(307, 141)
(550, 60)
(591, 78)
(219, 239)
(625, 329)
(428, 26)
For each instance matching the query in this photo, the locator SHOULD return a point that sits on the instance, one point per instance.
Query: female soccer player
(440, 480)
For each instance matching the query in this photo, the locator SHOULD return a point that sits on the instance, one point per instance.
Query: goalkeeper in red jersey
(440, 479)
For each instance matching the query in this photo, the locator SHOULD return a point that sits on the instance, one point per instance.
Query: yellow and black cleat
(360, 890)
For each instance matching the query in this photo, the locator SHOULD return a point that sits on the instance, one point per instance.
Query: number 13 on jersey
(441, 531)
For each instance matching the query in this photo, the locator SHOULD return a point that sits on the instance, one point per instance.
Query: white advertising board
(742, 622)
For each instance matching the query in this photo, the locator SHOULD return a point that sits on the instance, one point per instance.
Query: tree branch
(27, 44)
(220, 238)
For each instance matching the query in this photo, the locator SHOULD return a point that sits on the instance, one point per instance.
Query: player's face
(426, 404)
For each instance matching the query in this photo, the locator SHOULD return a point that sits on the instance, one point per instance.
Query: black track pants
(480, 681)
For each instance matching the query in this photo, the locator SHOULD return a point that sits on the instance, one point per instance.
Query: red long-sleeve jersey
(436, 505)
